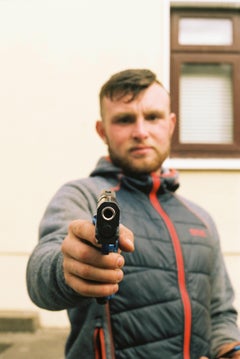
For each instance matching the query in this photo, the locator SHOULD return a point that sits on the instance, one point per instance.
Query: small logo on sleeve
(197, 232)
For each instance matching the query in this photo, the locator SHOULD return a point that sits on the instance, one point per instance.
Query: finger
(73, 248)
(92, 289)
(90, 273)
(126, 239)
(84, 230)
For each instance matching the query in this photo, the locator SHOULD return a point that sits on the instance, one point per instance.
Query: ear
(173, 121)
(101, 130)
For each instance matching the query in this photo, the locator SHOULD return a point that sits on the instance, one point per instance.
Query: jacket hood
(105, 168)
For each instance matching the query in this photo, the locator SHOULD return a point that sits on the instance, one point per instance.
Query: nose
(140, 130)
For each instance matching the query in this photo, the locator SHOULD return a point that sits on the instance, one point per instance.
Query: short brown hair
(131, 81)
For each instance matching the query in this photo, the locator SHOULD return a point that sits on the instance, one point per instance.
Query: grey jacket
(175, 300)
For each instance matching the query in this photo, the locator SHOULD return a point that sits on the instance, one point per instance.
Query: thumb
(126, 239)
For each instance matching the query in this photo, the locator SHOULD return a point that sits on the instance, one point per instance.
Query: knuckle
(67, 278)
(72, 226)
(83, 289)
(84, 254)
(84, 272)
(63, 246)
(119, 276)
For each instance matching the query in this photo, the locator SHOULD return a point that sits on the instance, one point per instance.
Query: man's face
(138, 133)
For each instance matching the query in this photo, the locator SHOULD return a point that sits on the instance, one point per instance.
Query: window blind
(206, 97)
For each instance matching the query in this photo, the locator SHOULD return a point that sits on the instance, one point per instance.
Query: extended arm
(67, 266)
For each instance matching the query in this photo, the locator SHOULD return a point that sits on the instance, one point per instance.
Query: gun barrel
(107, 220)
(107, 226)
(108, 213)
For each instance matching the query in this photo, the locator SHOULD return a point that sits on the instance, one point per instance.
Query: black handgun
(107, 226)
(107, 222)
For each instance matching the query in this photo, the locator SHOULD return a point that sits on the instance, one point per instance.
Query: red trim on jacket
(108, 315)
(99, 344)
(99, 339)
(180, 266)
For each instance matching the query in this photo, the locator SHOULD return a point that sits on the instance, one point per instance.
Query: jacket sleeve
(223, 313)
(45, 279)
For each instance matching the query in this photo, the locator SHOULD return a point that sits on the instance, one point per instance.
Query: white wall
(54, 56)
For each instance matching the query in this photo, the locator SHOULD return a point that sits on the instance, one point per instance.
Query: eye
(154, 116)
(124, 119)
(151, 117)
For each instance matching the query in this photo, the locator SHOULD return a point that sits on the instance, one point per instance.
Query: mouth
(139, 151)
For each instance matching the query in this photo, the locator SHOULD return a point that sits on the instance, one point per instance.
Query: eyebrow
(120, 115)
(155, 111)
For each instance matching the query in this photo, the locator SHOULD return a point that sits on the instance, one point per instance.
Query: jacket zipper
(180, 266)
(109, 324)
(99, 341)
(103, 341)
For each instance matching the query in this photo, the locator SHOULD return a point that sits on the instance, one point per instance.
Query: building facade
(55, 55)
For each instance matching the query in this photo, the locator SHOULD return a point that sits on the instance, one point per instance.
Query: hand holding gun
(86, 270)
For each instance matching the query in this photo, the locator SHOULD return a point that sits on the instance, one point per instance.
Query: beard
(140, 166)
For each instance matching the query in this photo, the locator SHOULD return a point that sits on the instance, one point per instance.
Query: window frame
(178, 13)
(183, 54)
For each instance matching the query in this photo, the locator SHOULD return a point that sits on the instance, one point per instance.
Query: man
(173, 297)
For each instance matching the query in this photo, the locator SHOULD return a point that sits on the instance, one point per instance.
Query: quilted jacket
(175, 300)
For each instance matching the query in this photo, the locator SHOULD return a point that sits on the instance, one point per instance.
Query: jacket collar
(168, 177)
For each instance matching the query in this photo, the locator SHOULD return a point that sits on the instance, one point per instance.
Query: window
(205, 82)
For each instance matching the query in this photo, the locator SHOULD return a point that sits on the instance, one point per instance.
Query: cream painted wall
(55, 55)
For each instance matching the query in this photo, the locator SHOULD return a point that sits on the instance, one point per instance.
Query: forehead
(154, 97)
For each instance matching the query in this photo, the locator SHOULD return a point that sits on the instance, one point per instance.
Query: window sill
(203, 164)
